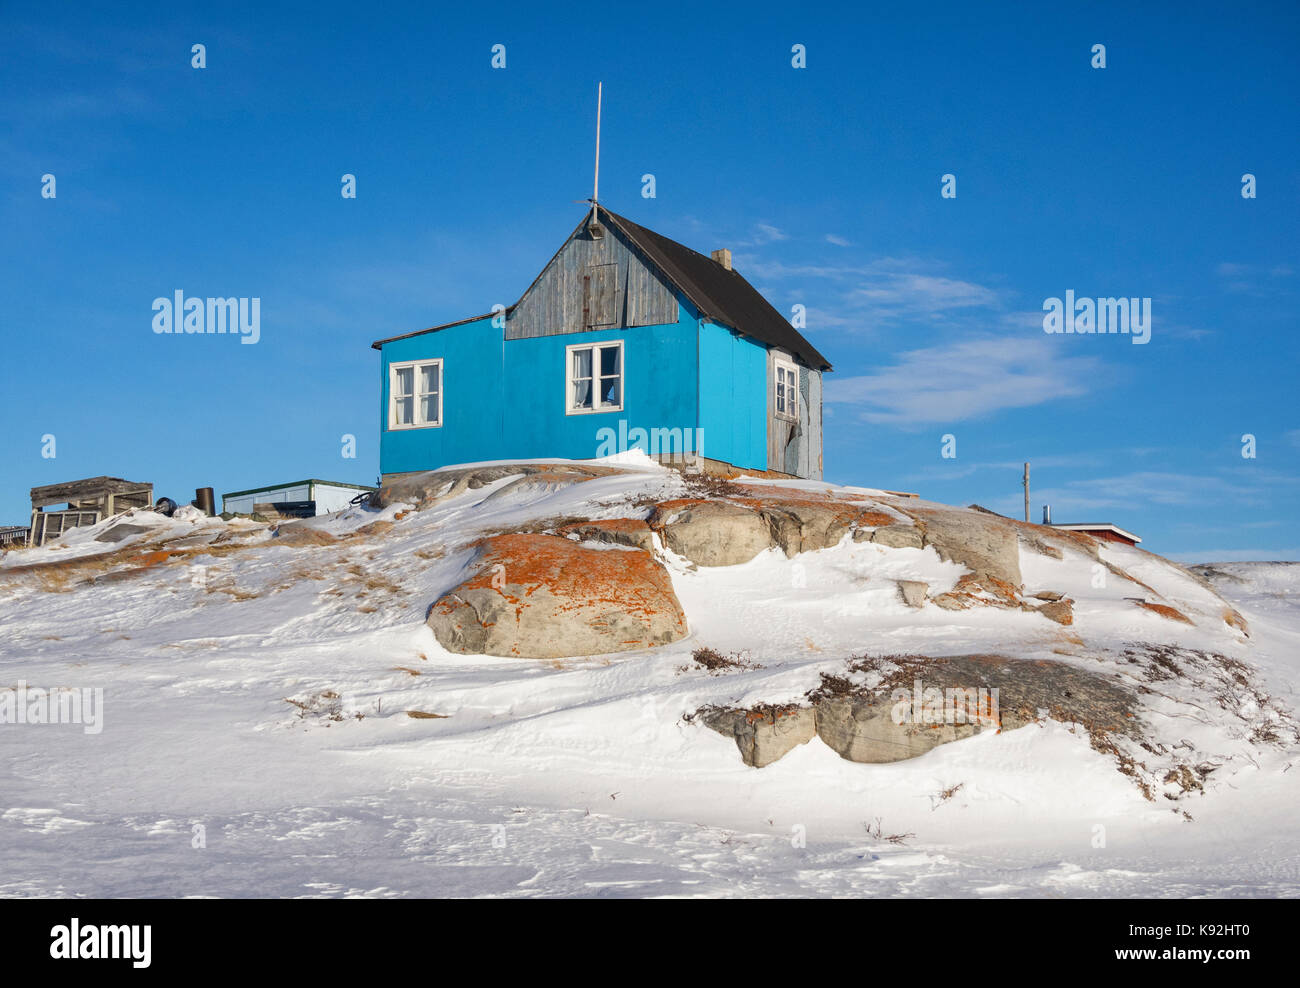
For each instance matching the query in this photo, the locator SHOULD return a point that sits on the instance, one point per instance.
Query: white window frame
(570, 391)
(417, 412)
(791, 370)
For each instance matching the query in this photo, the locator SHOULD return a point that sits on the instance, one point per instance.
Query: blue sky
(824, 181)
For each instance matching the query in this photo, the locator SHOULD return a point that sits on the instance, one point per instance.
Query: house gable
(592, 284)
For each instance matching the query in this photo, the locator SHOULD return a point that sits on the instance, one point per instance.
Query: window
(787, 390)
(415, 394)
(594, 378)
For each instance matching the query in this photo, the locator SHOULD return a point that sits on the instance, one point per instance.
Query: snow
(580, 777)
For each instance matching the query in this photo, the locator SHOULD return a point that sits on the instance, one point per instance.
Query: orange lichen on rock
(972, 590)
(546, 596)
(1164, 610)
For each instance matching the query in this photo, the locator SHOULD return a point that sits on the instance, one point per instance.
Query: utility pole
(1026, 492)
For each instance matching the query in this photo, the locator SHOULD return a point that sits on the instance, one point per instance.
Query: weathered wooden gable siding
(805, 453)
(795, 447)
(778, 430)
(557, 302)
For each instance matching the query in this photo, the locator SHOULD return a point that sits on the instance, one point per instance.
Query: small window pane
(582, 363)
(404, 407)
(429, 409)
(610, 391)
(609, 360)
(405, 380)
(582, 393)
(429, 378)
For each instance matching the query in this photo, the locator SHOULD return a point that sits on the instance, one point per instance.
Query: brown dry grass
(715, 661)
(234, 593)
(875, 832)
(326, 705)
(1233, 619)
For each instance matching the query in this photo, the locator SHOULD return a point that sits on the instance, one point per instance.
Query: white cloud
(926, 293)
(965, 380)
(871, 296)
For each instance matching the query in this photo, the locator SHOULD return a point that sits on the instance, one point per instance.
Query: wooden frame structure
(88, 502)
(13, 534)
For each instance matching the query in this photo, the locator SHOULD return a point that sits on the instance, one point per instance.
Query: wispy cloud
(1244, 489)
(876, 294)
(1236, 555)
(759, 235)
(965, 380)
(926, 294)
(1253, 279)
(958, 469)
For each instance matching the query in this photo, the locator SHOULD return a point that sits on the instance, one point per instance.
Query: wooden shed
(1104, 531)
(298, 498)
(88, 502)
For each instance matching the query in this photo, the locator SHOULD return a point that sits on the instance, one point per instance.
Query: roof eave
(379, 344)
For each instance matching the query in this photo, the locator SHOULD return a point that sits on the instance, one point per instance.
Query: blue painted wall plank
(733, 397)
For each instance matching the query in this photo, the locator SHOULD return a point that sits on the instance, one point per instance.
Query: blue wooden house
(626, 338)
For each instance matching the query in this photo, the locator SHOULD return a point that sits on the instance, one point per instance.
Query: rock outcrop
(913, 592)
(920, 703)
(862, 729)
(618, 531)
(426, 489)
(711, 533)
(763, 734)
(734, 530)
(891, 536)
(986, 544)
(545, 597)
(1060, 611)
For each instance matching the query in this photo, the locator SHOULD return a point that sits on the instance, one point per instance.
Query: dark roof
(299, 483)
(721, 295)
(378, 344)
(1094, 526)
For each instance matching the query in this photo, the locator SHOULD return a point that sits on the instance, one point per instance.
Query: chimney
(723, 257)
(1047, 514)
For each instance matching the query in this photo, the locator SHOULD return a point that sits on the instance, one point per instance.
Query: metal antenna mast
(595, 187)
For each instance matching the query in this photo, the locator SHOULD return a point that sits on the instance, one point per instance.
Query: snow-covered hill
(279, 718)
